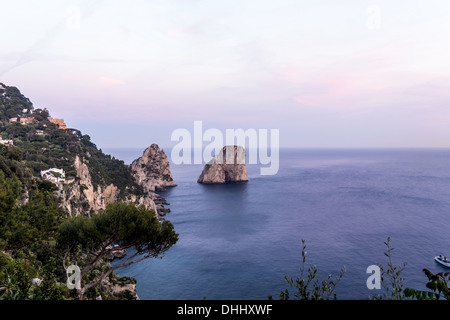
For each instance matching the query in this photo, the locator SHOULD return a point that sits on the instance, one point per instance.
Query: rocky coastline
(151, 171)
(42, 156)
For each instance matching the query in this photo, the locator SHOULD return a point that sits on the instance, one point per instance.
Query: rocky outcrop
(113, 254)
(152, 170)
(227, 166)
(148, 202)
(80, 196)
(99, 198)
(119, 287)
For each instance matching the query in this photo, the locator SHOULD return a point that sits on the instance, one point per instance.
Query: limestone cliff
(152, 170)
(227, 166)
(80, 196)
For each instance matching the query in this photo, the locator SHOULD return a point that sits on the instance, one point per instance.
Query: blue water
(238, 241)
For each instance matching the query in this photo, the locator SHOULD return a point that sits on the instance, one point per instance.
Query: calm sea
(238, 241)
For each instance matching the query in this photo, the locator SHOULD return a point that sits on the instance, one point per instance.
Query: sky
(339, 74)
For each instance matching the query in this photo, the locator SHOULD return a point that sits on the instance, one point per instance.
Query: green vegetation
(122, 224)
(58, 147)
(437, 283)
(29, 211)
(391, 279)
(13, 103)
(311, 288)
(16, 281)
(392, 283)
(38, 236)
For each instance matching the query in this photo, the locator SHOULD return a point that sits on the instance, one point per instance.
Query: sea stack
(227, 166)
(152, 170)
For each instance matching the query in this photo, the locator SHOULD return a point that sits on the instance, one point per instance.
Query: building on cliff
(54, 175)
(23, 120)
(59, 122)
(27, 120)
(6, 142)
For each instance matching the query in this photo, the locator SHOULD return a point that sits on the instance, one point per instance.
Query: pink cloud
(108, 81)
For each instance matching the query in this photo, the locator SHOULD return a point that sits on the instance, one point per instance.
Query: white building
(54, 175)
(6, 142)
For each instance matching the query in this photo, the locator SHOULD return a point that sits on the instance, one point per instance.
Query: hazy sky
(348, 73)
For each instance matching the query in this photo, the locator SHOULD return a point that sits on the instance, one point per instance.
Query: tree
(311, 288)
(15, 279)
(49, 289)
(120, 226)
(10, 189)
(391, 278)
(438, 284)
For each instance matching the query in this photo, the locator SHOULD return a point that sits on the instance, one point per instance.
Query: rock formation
(152, 170)
(119, 253)
(227, 166)
(80, 196)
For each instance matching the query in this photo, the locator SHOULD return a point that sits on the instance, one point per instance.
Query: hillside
(92, 178)
(45, 145)
(50, 174)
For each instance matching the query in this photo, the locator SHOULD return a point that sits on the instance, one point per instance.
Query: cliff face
(80, 196)
(91, 178)
(87, 180)
(227, 166)
(152, 170)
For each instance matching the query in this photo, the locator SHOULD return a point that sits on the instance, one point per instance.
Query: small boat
(442, 260)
